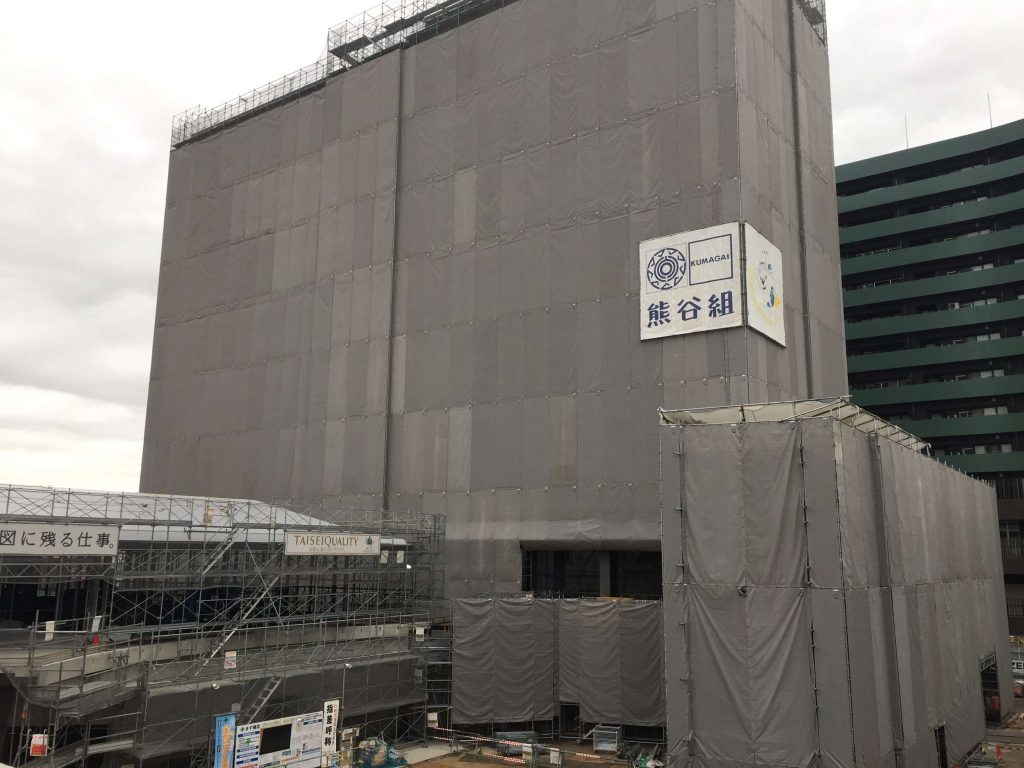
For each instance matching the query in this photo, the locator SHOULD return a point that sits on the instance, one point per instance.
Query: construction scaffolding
(200, 609)
(400, 23)
(392, 25)
(814, 10)
(195, 122)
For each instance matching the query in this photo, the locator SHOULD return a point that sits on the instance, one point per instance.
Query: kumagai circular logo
(666, 269)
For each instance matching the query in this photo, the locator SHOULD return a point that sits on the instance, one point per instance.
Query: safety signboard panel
(699, 281)
(312, 543)
(330, 732)
(55, 539)
(291, 741)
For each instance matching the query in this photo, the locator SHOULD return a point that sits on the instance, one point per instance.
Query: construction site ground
(1008, 742)
(573, 756)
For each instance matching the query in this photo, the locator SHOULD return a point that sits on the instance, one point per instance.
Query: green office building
(932, 244)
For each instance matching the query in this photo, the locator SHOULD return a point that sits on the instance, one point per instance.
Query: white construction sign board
(57, 539)
(719, 277)
(292, 741)
(330, 743)
(313, 543)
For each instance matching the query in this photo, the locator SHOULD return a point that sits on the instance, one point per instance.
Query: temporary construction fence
(832, 595)
(518, 659)
(199, 607)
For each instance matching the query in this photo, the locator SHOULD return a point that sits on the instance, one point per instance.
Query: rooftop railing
(391, 25)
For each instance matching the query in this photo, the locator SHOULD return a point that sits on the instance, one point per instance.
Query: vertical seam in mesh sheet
(896, 694)
(687, 639)
(808, 587)
(833, 424)
(388, 395)
(801, 208)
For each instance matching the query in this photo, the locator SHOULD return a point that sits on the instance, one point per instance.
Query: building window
(1011, 539)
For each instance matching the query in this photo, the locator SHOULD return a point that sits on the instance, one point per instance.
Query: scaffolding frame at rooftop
(814, 11)
(392, 25)
(192, 580)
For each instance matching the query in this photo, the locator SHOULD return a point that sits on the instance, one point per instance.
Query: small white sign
(230, 659)
(312, 543)
(40, 745)
(691, 282)
(764, 286)
(58, 539)
(330, 742)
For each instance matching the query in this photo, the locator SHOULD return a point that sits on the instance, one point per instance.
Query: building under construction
(189, 608)
(457, 268)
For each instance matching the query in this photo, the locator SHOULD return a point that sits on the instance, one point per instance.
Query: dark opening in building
(592, 573)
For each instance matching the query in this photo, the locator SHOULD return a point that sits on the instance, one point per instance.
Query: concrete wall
(417, 286)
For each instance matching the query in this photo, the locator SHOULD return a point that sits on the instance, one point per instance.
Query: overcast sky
(87, 91)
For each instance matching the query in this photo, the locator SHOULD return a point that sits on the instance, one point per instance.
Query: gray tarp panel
(608, 655)
(881, 635)
(479, 197)
(613, 660)
(503, 660)
(751, 676)
(744, 525)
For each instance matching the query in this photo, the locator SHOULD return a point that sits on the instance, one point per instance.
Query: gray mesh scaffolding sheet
(831, 596)
(814, 10)
(199, 611)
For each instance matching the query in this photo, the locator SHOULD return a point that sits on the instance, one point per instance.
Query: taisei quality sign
(311, 543)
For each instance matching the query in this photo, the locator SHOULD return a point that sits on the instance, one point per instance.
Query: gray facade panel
(421, 278)
(752, 652)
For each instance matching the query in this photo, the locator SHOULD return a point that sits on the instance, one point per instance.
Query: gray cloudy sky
(87, 92)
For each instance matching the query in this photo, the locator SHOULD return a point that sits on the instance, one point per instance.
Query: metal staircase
(251, 710)
(229, 632)
(221, 549)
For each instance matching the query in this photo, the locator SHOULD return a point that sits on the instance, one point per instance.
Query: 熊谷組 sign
(313, 543)
(56, 539)
(719, 277)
